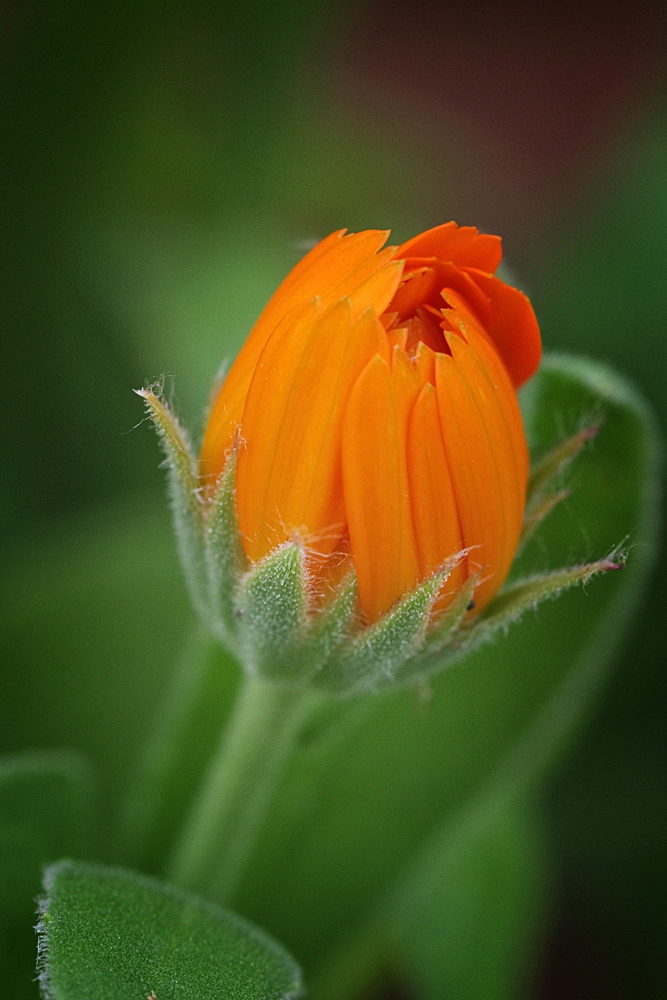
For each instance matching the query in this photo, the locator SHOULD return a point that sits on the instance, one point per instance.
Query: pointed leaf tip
(387, 653)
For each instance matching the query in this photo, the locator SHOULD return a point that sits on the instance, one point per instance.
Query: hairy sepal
(271, 607)
(522, 595)
(185, 497)
(387, 653)
(225, 557)
(543, 492)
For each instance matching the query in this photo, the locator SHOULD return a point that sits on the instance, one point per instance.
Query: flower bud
(374, 418)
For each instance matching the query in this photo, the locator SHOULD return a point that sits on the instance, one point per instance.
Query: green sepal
(185, 496)
(329, 628)
(537, 513)
(225, 558)
(379, 655)
(442, 633)
(545, 471)
(518, 597)
(542, 495)
(271, 606)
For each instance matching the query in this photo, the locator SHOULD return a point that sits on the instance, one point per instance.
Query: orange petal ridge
(435, 514)
(475, 437)
(376, 490)
(289, 477)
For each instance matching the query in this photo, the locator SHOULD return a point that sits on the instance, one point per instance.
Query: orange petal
(289, 472)
(493, 404)
(425, 364)
(406, 384)
(512, 326)
(462, 245)
(434, 511)
(483, 475)
(324, 271)
(496, 373)
(375, 484)
(422, 286)
(371, 285)
(425, 278)
(461, 320)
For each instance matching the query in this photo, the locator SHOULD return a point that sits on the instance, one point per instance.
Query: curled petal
(460, 245)
(511, 326)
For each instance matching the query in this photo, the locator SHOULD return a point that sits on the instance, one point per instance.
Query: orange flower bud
(375, 408)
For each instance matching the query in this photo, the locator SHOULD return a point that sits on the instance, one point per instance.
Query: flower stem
(177, 749)
(220, 833)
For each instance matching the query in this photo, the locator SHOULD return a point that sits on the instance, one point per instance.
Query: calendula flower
(375, 408)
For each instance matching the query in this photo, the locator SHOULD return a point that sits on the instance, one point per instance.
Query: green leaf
(498, 719)
(516, 598)
(390, 651)
(114, 935)
(45, 811)
(333, 624)
(466, 919)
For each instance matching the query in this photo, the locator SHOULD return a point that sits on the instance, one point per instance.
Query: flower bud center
(415, 314)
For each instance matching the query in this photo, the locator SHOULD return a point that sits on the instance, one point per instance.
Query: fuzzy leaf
(185, 497)
(442, 633)
(225, 559)
(271, 607)
(114, 935)
(46, 807)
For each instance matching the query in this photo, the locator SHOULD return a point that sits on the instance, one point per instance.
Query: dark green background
(161, 167)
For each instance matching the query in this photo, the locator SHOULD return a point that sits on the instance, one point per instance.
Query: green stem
(238, 788)
(182, 736)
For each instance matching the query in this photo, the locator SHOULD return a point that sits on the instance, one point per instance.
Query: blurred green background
(162, 166)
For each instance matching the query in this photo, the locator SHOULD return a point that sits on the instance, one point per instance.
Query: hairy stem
(227, 814)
